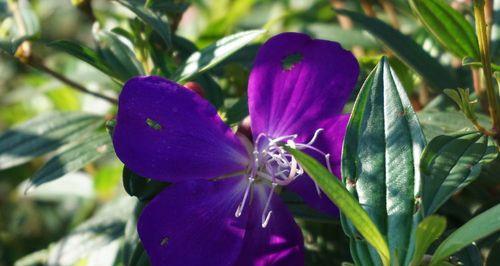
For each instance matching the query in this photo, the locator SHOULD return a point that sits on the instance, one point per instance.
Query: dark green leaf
(448, 26)
(157, 20)
(435, 123)
(78, 155)
(480, 226)
(142, 188)
(407, 50)
(119, 56)
(83, 53)
(205, 59)
(380, 162)
(43, 134)
(428, 231)
(449, 163)
(347, 204)
(237, 111)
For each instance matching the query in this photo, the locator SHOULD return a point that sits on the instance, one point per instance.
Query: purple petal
(330, 140)
(279, 243)
(296, 98)
(167, 132)
(193, 223)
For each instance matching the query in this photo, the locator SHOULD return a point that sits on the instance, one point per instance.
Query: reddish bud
(197, 88)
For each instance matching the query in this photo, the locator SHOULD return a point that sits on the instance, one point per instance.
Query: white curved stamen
(274, 164)
(266, 215)
(239, 210)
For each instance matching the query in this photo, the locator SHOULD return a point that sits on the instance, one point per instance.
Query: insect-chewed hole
(164, 241)
(290, 61)
(153, 124)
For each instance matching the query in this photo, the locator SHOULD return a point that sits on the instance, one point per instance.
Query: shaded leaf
(449, 163)
(142, 188)
(407, 50)
(435, 123)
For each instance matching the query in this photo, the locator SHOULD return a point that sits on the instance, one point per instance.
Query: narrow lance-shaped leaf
(157, 20)
(428, 231)
(203, 60)
(43, 134)
(380, 163)
(347, 204)
(480, 226)
(118, 55)
(72, 159)
(449, 163)
(83, 53)
(448, 26)
(407, 50)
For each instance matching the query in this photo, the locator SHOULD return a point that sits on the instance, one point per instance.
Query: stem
(38, 64)
(482, 32)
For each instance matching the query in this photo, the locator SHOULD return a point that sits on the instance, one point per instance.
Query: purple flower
(222, 207)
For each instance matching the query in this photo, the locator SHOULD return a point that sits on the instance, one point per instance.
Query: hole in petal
(290, 61)
(153, 124)
(164, 241)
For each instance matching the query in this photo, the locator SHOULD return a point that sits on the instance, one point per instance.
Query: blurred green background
(91, 204)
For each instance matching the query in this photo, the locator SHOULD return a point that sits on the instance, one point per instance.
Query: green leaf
(428, 231)
(347, 204)
(435, 123)
(118, 55)
(205, 59)
(78, 155)
(448, 26)
(407, 50)
(449, 163)
(95, 241)
(380, 163)
(469, 61)
(83, 53)
(157, 20)
(43, 134)
(142, 188)
(480, 226)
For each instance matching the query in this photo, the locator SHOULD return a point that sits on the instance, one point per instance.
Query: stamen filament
(239, 210)
(267, 215)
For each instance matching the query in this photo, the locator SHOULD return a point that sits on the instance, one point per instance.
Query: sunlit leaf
(480, 226)
(43, 134)
(203, 60)
(448, 26)
(347, 204)
(380, 163)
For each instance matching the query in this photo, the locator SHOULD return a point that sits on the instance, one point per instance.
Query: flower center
(273, 164)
